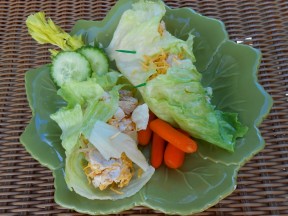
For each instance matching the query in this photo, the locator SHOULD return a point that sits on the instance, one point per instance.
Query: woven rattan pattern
(26, 188)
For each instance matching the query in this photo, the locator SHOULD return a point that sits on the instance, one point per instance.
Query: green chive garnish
(127, 51)
(140, 85)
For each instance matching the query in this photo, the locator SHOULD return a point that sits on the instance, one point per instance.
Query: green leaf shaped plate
(207, 176)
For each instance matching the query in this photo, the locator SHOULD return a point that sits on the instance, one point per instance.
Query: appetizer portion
(100, 120)
(163, 66)
(103, 120)
(101, 152)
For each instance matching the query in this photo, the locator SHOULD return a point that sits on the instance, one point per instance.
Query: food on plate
(163, 68)
(70, 66)
(103, 120)
(97, 134)
(157, 150)
(173, 136)
(169, 144)
(100, 120)
(203, 177)
(173, 156)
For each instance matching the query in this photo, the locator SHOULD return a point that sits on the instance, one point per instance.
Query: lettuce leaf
(100, 110)
(90, 104)
(77, 180)
(108, 80)
(176, 95)
(70, 121)
(185, 104)
(92, 108)
(79, 92)
(138, 31)
(111, 143)
(86, 104)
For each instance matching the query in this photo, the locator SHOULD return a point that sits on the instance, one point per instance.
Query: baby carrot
(173, 156)
(157, 150)
(144, 136)
(173, 136)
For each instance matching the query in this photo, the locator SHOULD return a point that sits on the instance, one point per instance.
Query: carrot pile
(178, 143)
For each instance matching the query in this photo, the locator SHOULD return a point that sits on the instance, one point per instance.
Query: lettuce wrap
(163, 66)
(98, 155)
(97, 124)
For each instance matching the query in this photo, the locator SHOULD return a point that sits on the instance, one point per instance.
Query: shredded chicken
(103, 173)
(127, 102)
(122, 118)
(119, 115)
(116, 172)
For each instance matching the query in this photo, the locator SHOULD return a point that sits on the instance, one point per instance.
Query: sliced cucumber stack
(97, 59)
(68, 66)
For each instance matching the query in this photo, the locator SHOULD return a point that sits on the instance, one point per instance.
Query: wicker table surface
(26, 187)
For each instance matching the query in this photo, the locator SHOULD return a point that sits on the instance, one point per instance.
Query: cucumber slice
(67, 66)
(97, 59)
